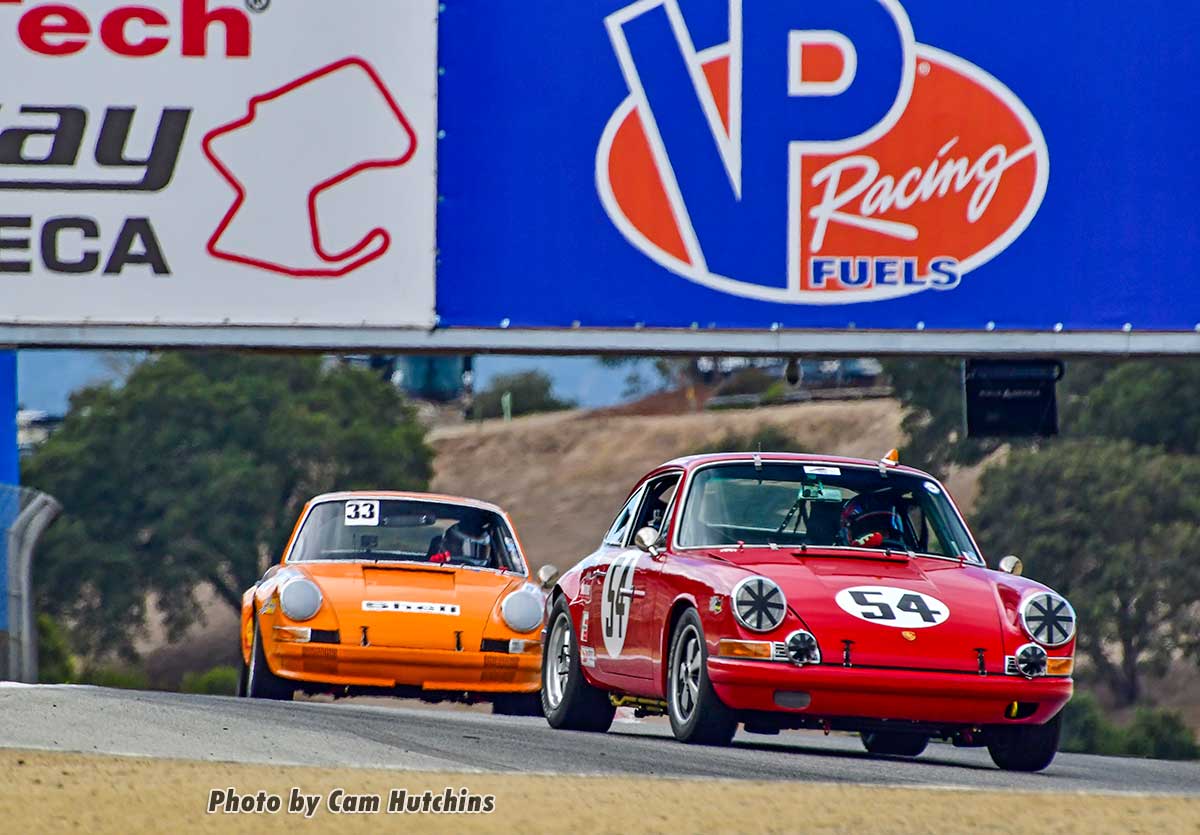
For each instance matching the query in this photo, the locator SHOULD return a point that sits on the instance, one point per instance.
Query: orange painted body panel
(440, 648)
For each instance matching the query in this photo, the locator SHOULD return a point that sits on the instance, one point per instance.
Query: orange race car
(408, 594)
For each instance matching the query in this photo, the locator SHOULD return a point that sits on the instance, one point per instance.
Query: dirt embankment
(563, 476)
(51, 792)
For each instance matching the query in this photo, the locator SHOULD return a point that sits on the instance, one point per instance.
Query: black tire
(517, 704)
(245, 674)
(261, 683)
(894, 743)
(1024, 747)
(697, 714)
(580, 706)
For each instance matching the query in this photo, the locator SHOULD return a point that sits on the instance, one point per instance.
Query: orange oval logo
(909, 636)
(944, 189)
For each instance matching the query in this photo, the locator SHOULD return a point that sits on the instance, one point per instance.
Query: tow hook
(979, 651)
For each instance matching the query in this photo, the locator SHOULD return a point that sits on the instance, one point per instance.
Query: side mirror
(546, 575)
(1012, 565)
(647, 539)
(270, 572)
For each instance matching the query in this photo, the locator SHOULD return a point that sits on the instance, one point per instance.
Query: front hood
(412, 605)
(920, 613)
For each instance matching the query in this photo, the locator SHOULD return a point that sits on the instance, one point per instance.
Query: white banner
(218, 162)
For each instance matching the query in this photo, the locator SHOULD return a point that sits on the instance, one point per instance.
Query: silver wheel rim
(558, 661)
(685, 673)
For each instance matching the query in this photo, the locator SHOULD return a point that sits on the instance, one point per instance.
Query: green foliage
(55, 662)
(1159, 734)
(531, 392)
(1113, 527)
(193, 471)
(766, 438)
(219, 681)
(1087, 730)
(122, 678)
(1147, 402)
(931, 391)
(752, 380)
(934, 419)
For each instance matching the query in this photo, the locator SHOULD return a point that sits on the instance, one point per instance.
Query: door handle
(632, 592)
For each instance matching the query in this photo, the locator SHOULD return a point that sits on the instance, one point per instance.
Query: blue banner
(894, 164)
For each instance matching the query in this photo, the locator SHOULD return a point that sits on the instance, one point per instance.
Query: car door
(628, 628)
(593, 586)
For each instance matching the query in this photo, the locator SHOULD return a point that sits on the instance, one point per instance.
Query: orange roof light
(892, 458)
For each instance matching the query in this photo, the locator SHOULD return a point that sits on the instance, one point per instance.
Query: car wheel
(1024, 747)
(245, 673)
(697, 714)
(568, 701)
(517, 704)
(261, 683)
(895, 743)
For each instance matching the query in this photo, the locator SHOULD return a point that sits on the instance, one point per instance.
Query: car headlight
(1031, 661)
(300, 598)
(759, 604)
(522, 610)
(1048, 618)
(802, 648)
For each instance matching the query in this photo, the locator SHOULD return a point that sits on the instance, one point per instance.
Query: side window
(620, 526)
(926, 537)
(659, 495)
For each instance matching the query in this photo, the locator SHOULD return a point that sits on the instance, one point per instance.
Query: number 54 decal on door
(615, 599)
(901, 608)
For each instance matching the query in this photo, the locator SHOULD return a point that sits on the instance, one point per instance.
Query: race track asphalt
(215, 728)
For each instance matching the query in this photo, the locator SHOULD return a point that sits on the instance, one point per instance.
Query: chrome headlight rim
(813, 654)
(768, 591)
(1054, 615)
(1037, 649)
(517, 620)
(298, 614)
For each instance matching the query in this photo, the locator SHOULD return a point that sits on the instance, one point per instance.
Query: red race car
(793, 591)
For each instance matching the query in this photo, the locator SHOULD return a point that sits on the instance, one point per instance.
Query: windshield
(793, 504)
(406, 530)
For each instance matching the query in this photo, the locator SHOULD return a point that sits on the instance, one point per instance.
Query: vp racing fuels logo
(820, 156)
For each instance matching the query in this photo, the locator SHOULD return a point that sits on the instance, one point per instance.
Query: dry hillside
(563, 476)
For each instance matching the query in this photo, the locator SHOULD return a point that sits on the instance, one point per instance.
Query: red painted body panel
(933, 673)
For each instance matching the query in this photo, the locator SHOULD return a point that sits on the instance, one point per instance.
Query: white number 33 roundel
(889, 606)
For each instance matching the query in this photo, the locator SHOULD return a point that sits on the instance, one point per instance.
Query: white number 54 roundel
(890, 606)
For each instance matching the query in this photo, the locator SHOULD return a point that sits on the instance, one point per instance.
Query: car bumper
(440, 670)
(908, 695)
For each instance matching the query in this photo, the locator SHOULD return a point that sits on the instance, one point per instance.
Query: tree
(1114, 528)
(1147, 402)
(532, 391)
(931, 391)
(193, 471)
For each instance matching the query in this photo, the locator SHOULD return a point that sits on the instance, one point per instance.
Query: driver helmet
(467, 538)
(871, 520)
